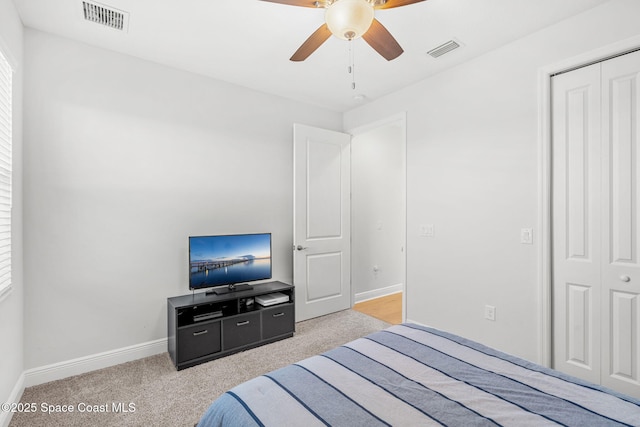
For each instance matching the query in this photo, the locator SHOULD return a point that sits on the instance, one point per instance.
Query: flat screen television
(226, 263)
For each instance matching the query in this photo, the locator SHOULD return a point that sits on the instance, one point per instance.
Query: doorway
(378, 201)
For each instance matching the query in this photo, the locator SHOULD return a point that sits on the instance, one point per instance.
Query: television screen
(228, 259)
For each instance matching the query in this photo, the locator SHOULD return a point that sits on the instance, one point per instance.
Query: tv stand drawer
(199, 340)
(240, 330)
(278, 320)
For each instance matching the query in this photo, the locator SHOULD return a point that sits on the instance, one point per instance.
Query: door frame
(400, 118)
(545, 265)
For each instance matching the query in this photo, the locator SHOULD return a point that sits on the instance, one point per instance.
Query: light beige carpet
(162, 396)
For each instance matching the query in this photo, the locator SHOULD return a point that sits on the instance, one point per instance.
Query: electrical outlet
(490, 312)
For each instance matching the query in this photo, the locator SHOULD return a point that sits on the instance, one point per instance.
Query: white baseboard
(81, 365)
(417, 323)
(377, 293)
(14, 397)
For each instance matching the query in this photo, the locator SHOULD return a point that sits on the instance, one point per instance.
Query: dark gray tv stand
(206, 327)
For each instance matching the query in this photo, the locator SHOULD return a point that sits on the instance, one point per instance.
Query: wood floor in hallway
(387, 308)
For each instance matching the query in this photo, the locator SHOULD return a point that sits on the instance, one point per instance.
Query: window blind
(5, 174)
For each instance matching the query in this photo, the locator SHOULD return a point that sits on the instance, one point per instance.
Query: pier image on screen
(229, 259)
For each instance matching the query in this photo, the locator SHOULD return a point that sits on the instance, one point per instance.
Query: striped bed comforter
(410, 375)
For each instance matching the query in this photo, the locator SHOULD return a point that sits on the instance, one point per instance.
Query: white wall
(11, 306)
(377, 198)
(124, 159)
(472, 141)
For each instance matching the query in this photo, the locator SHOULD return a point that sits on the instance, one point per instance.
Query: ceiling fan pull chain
(352, 65)
(349, 60)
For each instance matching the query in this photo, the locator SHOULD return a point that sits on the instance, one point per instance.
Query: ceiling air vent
(105, 15)
(444, 48)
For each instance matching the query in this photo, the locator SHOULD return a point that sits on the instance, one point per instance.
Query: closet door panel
(576, 222)
(620, 214)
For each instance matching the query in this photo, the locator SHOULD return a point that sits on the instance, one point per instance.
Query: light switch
(526, 236)
(426, 230)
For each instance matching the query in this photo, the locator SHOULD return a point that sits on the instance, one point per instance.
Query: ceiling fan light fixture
(349, 19)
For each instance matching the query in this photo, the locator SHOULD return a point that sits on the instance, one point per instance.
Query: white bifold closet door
(596, 208)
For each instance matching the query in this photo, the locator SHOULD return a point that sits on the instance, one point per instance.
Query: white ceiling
(249, 42)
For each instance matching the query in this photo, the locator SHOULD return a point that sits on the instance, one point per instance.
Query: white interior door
(596, 280)
(321, 235)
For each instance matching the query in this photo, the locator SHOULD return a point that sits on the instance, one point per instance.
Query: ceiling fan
(348, 20)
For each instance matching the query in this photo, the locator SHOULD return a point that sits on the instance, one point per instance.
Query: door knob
(625, 278)
(301, 248)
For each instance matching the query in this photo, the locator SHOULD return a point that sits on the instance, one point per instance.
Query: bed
(410, 375)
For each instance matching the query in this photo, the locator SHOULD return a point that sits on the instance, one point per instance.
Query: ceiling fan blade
(301, 3)
(397, 3)
(312, 43)
(382, 41)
